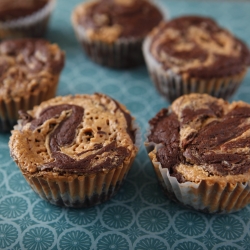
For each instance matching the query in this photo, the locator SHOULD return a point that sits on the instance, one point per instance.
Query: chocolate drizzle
(218, 146)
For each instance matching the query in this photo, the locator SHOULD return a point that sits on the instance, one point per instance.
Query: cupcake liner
(123, 53)
(209, 196)
(171, 85)
(9, 107)
(81, 190)
(33, 25)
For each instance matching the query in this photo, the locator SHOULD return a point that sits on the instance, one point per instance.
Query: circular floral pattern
(83, 216)
(112, 242)
(8, 235)
(152, 193)
(4, 151)
(153, 220)
(44, 211)
(150, 244)
(75, 240)
(13, 207)
(1, 178)
(18, 183)
(126, 192)
(190, 223)
(227, 227)
(38, 238)
(188, 245)
(117, 217)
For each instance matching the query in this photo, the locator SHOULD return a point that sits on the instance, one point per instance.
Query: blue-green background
(139, 216)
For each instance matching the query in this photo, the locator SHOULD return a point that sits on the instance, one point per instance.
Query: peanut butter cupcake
(111, 31)
(199, 148)
(194, 54)
(82, 148)
(24, 18)
(30, 70)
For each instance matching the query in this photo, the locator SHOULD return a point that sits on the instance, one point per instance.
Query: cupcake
(111, 31)
(82, 148)
(24, 18)
(192, 54)
(199, 148)
(30, 70)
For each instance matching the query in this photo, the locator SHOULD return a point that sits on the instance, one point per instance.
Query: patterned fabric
(139, 216)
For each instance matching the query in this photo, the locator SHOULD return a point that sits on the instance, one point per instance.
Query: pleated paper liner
(209, 196)
(33, 25)
(172, 85)
(123, 53)
(9, 107)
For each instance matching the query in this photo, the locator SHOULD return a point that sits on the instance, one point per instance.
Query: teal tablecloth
(139, 216)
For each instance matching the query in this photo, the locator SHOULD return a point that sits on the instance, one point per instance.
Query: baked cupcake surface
(24, 18)
(122, 24)
(82, 148)
(11, 10)
(200, 150)
(30, 71)
(195, 54)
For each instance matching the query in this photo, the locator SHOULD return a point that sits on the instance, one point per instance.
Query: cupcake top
(27, 64)
(80, 134)
(198, 47)
(109, 20)
(11, 10)
(203, 138)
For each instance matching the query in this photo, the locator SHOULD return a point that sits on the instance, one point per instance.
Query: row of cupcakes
(184, 55)
(83, 146)
(76, 151)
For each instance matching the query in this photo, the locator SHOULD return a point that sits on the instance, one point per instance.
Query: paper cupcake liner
(81, 191)
(171, 85)
(123, 53)
(33, 25)
(207, 196)
(9, 107)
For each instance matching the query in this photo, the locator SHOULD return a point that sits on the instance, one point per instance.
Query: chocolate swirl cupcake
(30, 70)
(111, 31)
(24, 18)
(193, 54)
(82, 148)
(200, 151)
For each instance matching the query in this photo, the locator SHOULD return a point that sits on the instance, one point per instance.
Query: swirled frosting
(198, 47)
(27, 64)
(202, 137)
(74, 134)
(10, 10)
(112, 19)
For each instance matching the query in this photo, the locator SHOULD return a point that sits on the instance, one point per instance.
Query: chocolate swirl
(197, 47)
(135, 18)
(216, 137)
(64, 134)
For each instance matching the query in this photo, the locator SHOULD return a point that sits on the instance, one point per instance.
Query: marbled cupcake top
(28, 64)
(74, 134)
(10, 10)
(202, 137)
(197, 47)
(109, 20)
